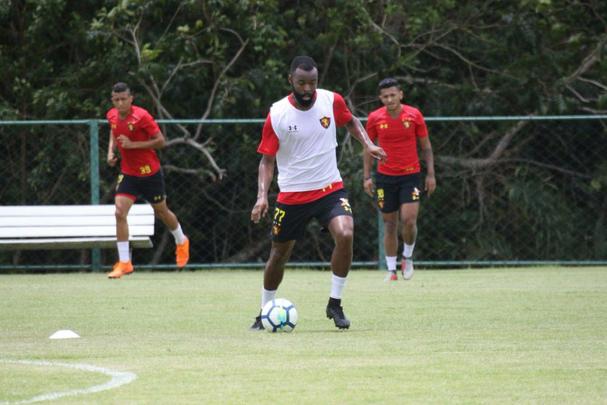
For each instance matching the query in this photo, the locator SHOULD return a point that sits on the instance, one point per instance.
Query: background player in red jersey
(299, 136)
(398, 128)
(137, 136)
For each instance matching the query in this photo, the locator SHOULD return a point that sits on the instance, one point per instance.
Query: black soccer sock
(334, 302)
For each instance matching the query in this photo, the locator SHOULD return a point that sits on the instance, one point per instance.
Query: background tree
(229, 59)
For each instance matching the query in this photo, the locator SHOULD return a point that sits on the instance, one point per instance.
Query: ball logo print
(279, 315)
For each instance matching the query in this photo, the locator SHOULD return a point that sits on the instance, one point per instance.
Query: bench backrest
(47, 221)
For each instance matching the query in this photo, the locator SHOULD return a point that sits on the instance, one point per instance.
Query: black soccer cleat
(257, 325)
(336, 312)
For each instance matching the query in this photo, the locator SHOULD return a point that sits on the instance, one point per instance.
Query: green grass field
(524, 335)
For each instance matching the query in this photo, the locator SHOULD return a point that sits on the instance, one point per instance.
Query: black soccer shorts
(393, 191)
(150, 188)
(290, 221)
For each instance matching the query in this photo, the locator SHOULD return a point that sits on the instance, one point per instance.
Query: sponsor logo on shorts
(380, 198)
(346, 205)
(415, 194)
(120, 178)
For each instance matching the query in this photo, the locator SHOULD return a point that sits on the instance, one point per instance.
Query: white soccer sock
(123, 251)
(337, 286)
(178, 235)
(408, 249)
(267, 296)
(391, 263)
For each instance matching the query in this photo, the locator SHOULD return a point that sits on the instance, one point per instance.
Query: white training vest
(306, 156)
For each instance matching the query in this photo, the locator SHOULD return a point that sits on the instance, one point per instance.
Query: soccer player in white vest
(299, 136)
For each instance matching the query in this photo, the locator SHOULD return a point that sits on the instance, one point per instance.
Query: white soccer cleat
(406, 266)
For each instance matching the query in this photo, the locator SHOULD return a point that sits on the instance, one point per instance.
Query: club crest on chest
(325, 122)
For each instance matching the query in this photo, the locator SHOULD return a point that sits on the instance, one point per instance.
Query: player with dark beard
(299, 137)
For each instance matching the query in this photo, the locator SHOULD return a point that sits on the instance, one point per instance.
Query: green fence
(511, 190)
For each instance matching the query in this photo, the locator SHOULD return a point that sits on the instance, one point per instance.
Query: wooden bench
(71, 226)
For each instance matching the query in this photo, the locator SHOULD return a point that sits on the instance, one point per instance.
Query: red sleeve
(421, 130)
(149, 125)
(371, 128)
(340, 111)
(110, 116)
(269, 141)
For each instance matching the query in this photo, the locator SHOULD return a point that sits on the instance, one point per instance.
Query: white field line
(118, 378)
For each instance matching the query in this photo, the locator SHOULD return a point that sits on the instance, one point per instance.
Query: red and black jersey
(398, 137)
(137, 126)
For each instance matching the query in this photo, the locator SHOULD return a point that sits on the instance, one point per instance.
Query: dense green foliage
(229, 59)
(59, 57)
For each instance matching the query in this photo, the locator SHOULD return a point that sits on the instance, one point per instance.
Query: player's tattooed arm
(358, 131)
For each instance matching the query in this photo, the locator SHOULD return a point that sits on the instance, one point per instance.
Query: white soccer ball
(279, 315)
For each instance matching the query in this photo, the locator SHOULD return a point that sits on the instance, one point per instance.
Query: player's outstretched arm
(358, 131)
(264, 180)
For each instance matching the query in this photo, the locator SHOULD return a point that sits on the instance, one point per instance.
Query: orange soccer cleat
(391, 276)
(121, 269)
(182, 253)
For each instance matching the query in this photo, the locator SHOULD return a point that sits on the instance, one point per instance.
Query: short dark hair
(302, 62)
(387, 83)
(120, 87)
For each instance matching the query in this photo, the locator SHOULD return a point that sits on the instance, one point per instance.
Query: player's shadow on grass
(310, 331)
